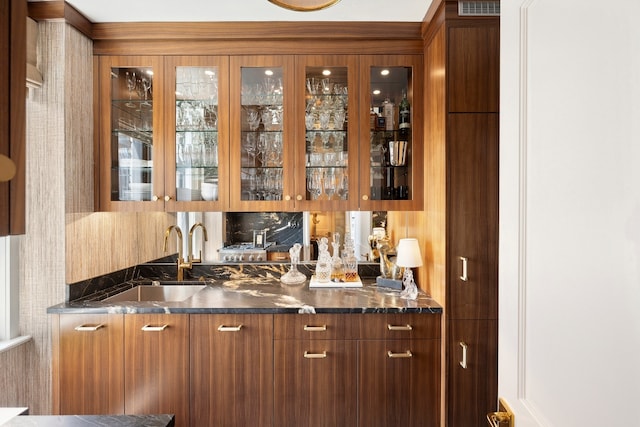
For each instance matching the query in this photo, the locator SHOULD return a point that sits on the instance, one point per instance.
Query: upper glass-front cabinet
(326, 177)
(196, 171)
(131, 153)
(391, 160)
(261, 148)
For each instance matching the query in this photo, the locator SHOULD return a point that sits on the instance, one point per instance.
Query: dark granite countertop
(242, 289)
(92, 420)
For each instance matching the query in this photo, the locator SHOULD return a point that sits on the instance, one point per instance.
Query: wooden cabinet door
(315, 383)
(472, 371)
(231, 370)
(473, 216)
(90, 360)
(399, 383)
(474, 67)
(157, 365)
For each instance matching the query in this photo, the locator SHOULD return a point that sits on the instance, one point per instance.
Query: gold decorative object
(304, 5)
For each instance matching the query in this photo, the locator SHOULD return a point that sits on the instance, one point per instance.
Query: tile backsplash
(282, 228)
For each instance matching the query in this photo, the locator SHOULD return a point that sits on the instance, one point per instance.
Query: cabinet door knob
(287, 197)
(463, 362)
(298, 197)
(365, 197)
(223, 328)
(155, 198)
(167, 198)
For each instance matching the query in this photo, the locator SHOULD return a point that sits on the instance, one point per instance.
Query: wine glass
(146, 87)
(329, 184)
(251, 147)
(342, 187)
(131, 86)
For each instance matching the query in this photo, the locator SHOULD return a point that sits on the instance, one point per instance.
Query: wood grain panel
(376, 326)
(473, 213)
(474, 68)
(231, 371)
(316, 326)
(315, 392)
(91, 365)
(59, 10)
(474, 390)
(5, 88)
(157, 366)
(399, 391)
(256, 30)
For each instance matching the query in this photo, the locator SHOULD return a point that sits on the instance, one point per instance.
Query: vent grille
(479, 8)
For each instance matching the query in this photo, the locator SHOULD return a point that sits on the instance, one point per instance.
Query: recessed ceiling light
(384, 72)
(326, 72)
(268, 72)
(209, 73)
(149, 72)
(376, 91)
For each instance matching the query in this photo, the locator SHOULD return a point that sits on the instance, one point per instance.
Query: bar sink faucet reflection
(181, 262)
(193, 259)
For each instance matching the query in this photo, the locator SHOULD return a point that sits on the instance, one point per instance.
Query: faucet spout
(180, 262)
(193, 259)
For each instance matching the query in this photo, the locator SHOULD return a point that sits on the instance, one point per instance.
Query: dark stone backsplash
(282, 228)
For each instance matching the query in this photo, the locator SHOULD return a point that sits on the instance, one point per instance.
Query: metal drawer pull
(149, 328)
(463, 363)
(308, 355)
(393, 355)
(223, 328)
(315, 328)
(406, 327)
(89, 328)
(464, 277)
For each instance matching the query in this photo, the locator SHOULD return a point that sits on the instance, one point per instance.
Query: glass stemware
(131, 86)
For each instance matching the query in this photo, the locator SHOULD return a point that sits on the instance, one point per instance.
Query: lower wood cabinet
(231, 370)
(156, 373)
(88, 364)
(251, 369)
(315, 364)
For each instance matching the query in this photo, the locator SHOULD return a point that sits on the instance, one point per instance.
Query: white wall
(570, 212)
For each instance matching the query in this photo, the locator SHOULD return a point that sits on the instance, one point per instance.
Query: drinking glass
(329, 184)
(251, 147)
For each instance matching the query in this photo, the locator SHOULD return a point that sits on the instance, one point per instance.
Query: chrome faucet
(193, 259)
(181, 262)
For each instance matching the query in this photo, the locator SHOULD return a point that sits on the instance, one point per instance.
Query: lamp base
(410, 289)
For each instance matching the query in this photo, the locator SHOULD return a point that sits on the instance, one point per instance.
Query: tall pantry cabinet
(462, 112)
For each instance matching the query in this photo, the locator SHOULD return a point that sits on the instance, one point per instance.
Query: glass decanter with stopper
(294, 276)
(323, 265)
(337, 267)
(350, 261)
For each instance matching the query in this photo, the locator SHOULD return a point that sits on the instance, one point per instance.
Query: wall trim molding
(59, 10)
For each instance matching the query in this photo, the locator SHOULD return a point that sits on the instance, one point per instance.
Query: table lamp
(409, 257)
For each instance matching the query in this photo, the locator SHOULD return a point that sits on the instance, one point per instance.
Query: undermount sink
(163, 293)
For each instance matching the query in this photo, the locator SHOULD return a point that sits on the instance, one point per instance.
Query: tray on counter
(313, 283)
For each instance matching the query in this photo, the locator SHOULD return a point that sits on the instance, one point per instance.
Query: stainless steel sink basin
(162, 293)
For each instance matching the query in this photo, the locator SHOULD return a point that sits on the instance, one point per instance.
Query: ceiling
(247, 10)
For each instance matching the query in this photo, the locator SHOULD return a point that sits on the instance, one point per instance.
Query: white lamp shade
(408, 253)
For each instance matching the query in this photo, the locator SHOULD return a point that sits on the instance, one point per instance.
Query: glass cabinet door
(129, 116)
(198, 123)
(260, 153)
(330, 142)
(391, 173)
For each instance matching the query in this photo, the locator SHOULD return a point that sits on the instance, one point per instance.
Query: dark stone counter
(91, 420)
(242, 288)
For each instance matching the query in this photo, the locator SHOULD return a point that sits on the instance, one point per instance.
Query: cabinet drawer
(315, 326)
(399, 326)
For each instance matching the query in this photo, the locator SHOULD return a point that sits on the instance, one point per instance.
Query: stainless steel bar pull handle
(309, 355)
(149, 328)
(406, 327)
(223, 328)
(464, 277)
(402, 355)
(311, 328)
(88, 328)
(463, 362)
